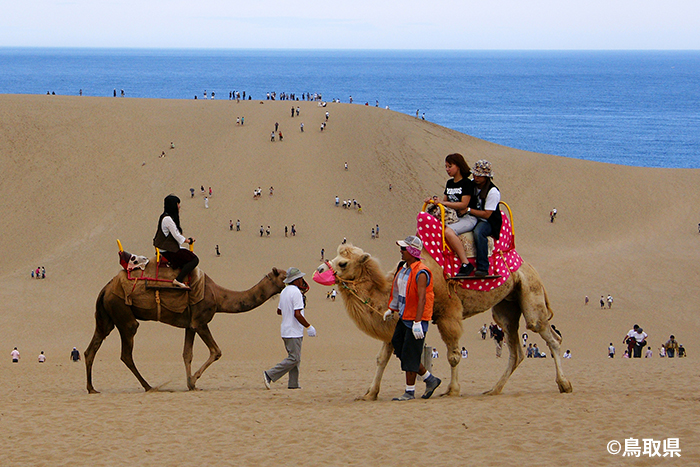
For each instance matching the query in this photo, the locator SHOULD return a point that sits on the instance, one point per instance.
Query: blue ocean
(638, 108)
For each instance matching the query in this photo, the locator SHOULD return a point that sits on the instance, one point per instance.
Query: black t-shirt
(455, 190)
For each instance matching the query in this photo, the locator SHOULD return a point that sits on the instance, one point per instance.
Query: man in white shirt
(15, 355)
(291, 308)
(484, 206)
(42, 357)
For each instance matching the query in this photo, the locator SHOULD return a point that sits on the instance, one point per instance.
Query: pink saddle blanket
(504, 261)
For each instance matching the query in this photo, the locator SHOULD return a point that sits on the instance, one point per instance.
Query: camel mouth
(325, 275)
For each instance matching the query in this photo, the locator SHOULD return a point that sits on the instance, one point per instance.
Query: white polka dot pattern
(504, 260)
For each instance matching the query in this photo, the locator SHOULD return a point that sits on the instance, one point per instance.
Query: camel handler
(412, 296)
(291, 308)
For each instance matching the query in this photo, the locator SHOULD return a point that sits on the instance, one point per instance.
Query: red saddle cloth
(504, 261)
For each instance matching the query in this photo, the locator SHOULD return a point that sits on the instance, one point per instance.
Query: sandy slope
(74, 180)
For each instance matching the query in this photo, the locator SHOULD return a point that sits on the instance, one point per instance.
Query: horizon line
(301, 49)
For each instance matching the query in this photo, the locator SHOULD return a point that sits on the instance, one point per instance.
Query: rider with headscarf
(172, 244)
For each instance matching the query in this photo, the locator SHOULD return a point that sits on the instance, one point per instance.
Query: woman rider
(458, 191)
(172, 244)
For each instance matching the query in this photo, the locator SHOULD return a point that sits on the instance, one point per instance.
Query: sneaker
(481, 273)
(266, 379)
(431, 386)
(465, 270)
(406, 396)
(179, 284)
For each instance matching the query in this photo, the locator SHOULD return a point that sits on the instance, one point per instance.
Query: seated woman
(458, 192)
(171, 243)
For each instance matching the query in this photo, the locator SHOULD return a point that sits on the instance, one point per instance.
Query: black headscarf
(170, 209)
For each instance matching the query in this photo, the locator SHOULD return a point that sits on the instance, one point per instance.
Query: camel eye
(343, 264)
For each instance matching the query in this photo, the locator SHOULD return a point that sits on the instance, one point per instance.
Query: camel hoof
(93, 391)
(565, 387)
(367, 397)
(492, 392)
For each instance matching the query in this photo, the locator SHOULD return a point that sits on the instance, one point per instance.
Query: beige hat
(292, 275)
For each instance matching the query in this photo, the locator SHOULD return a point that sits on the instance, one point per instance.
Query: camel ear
(364, 258)
(275, 272)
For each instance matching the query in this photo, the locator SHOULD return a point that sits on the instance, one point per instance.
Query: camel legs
(382, 360)
(554, 343)
(451, 331)
(89, 356)
(187, 357)
(537, 314)
(127, 332)
(103, 327)
(507, 315)
(214, 352)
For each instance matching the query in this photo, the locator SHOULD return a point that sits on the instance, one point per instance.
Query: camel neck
(230, 301)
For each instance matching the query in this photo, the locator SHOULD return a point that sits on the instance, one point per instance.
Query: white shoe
(267, 380)
(179, 284)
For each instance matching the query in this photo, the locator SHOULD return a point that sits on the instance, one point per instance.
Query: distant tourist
(611, 351)
(671, 346)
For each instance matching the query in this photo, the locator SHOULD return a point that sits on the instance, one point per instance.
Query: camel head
(351, 265)
(277, 278)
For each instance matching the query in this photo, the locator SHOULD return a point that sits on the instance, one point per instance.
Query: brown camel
(365, 290)
(112, 311)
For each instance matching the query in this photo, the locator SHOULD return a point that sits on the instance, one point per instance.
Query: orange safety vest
(410, 310)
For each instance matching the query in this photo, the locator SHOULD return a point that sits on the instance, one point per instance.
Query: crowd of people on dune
(636, 340)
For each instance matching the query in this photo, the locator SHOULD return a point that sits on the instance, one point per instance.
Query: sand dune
(78, 173)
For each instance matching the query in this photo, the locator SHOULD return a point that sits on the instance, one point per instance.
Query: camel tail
(546, 303)
(103, 322)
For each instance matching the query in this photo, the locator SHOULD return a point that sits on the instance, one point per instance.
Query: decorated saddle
(147, 283)
(135, 288)
(503, 259)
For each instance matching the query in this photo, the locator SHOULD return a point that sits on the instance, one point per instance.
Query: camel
(112, 311)
(365, 290)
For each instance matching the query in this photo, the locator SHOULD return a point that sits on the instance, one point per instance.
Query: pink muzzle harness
(325, 278)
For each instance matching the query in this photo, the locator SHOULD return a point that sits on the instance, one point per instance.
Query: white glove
(388, 314)
(418, 330)
(311, 331)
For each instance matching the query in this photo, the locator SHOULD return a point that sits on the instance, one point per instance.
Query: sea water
(638, 108)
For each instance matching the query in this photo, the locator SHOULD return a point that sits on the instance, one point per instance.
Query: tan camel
(365, 290)
(111, 311)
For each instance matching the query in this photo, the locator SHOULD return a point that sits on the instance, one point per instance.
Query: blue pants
(481, 243)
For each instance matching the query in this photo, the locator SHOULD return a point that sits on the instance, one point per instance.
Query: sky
(358, 24)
